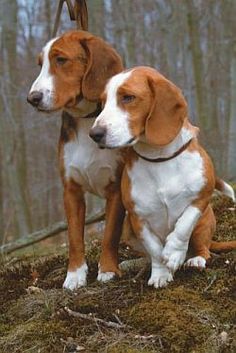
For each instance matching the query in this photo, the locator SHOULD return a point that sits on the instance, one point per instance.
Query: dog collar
(164, 159)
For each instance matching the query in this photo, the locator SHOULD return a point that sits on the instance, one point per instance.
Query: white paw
(173, 258)
(105, 276)
(76, 279)
(197, 261)
(160, 278)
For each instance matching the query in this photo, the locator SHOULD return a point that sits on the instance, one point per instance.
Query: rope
(77, 12)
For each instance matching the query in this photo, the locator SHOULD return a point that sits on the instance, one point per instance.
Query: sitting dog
(74, 70)
(168, 179)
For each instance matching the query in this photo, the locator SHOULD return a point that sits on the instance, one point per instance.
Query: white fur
(76, 279)
(175, 250)
(160, 274)
(113, 118)
(44, 82)
(162, 194)
(197, 261)
(105, 276)
(86, 164)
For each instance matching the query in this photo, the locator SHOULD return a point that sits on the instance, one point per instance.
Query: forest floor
(195, 313)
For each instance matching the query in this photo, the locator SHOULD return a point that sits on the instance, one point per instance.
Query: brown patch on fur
(200, 240)
(68, 127)
(126, 194)
(75, 212)
(115, 214)
(159, 108)
(167, 113)
(40, 59)
(219, 185)
(103, 63)
(90, 61)
(205, 194)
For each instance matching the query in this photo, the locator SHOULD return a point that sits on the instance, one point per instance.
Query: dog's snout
(97, 133)
(35, 98)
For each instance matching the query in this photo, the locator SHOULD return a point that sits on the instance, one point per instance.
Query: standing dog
(168, 178)
(74, 70)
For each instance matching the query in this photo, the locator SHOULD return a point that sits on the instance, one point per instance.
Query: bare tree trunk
(48, 16)
(13, 130)
(232, 122)
(197, 62)
(1, 194)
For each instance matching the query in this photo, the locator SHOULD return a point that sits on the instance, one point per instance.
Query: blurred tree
(191, 42)
(12, 129)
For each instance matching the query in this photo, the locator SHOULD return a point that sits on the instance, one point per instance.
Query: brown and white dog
(74, 71)
(168, 178)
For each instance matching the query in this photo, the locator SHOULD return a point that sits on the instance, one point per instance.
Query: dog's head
(73, 66)
(139, 103)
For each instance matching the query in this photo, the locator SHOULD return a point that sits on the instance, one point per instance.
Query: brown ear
(167, 113)
(103, 63)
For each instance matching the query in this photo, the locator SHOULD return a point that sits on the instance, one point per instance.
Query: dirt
(195, 313)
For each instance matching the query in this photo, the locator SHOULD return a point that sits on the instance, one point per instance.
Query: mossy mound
(195, 313)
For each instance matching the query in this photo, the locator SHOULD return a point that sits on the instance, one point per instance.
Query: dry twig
(45, 233)
(92, 318)
(214, 278)
(139, 264)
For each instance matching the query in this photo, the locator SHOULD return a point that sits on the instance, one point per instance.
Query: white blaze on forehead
(113, 118)
(44, 82)
(115, 82)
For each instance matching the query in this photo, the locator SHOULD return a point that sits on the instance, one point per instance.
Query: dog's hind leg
(200, 240)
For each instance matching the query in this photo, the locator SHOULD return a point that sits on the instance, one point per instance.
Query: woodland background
(192, 42)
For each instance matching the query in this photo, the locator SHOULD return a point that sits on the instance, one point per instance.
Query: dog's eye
(61, 60)
(127, 98)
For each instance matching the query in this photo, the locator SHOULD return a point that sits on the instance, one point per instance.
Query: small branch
(134, 264)
(92, 318)
(45, 233)
(214, 278)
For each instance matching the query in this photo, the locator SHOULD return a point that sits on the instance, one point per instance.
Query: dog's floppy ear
(103, 63)
(167, 112)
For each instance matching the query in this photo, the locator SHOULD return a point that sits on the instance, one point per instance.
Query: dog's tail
(224, 188)
(222, 246)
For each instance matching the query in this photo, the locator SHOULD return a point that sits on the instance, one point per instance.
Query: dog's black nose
(97, 133)
(35, 98)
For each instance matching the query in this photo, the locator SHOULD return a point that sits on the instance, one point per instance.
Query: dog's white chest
(161, 191)
(86, 164)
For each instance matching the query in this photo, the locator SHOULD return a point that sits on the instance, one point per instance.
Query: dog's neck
(83, 108)
(146, 150)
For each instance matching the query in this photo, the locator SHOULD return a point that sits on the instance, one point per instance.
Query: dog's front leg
(175, 250)
(115, 212)
(75, 212)
(160, 274)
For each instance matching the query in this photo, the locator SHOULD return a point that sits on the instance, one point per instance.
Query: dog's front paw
(173, 258)
(76, 279)
(105, 276)
(160, 278)
(196, 262)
